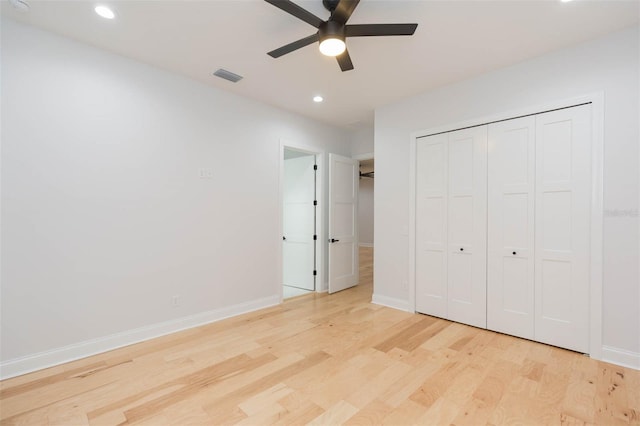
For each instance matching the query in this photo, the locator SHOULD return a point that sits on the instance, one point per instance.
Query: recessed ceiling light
(21, 5)
(318, 99)
(565, 1)
(105, 12)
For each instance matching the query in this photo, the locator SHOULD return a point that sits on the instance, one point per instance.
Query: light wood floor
(326, 360)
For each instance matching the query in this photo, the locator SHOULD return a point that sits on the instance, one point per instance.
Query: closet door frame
(597, 204)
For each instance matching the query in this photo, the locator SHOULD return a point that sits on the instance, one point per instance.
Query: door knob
(284, 238)
(333, 240)
(514, 253)
(461, 249)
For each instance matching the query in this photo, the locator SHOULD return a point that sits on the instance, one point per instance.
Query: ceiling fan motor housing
(331, 29)
(330, 5)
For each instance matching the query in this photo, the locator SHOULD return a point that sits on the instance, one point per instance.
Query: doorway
(365, 203)
(365, 220)
(299, 222)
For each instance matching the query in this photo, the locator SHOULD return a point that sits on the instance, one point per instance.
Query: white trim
(390, 302)
(621, 357)
(596, 228)
(413, 143)
(369, 245)
(53, 357)
(320, 211)
(361, 157)
(597, 209)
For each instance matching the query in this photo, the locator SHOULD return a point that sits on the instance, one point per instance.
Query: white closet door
(510, 261)
(563, 182)
(467, 226)
(431, 225)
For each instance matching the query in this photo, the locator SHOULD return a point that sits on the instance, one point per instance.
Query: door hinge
(315, 167)
(315, 202)
(315, 237)
(315, 272)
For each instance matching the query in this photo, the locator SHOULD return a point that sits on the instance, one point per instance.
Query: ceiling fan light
(332, 46)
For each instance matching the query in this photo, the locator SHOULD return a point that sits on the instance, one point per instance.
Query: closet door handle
(514, 253)
(461, 248)
(333, 240)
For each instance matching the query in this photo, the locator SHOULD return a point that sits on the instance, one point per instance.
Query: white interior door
(510, 261)
(467, 226)
(298, 245)
(343, 226)
(431, 225)
(563, 201)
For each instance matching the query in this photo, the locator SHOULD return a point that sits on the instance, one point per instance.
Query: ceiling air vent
(228, 75)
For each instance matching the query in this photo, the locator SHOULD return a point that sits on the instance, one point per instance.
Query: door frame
(321, 245)
(597, 201)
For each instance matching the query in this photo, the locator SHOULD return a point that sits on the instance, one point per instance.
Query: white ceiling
(455, 40)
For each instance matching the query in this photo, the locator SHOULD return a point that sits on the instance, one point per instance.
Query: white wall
(104, 217)
(362, 141)
(609, 64)
(365, 212)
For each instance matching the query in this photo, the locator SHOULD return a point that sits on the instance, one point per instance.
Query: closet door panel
(431, 225)
(563, 183)
(467, 226)
(510, 262)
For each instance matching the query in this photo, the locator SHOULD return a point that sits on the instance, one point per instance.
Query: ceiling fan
(333, 32)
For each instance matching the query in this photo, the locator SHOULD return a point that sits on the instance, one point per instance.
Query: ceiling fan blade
(295, 10)
(343, 11)
(366, 30)
(344, 60)
(288, 48)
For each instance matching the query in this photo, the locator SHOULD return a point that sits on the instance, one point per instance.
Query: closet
(502, 226)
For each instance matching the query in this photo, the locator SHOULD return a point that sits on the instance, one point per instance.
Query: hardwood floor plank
(371, 414)
(256, 403)
(299, 409)
(611, 399)
(578, 403)
(180, 388)
(406, 413)
(336, 414)
(515, 407)
(375, 387)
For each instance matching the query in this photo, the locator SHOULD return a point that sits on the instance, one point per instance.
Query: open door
(343, 226)
(298, 245)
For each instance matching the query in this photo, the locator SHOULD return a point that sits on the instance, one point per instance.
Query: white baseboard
(370, 245)
(38, 361)
(621, 357)
(391, 302)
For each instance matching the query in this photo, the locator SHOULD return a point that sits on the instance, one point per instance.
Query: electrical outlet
(205, 173)
(175, 301)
